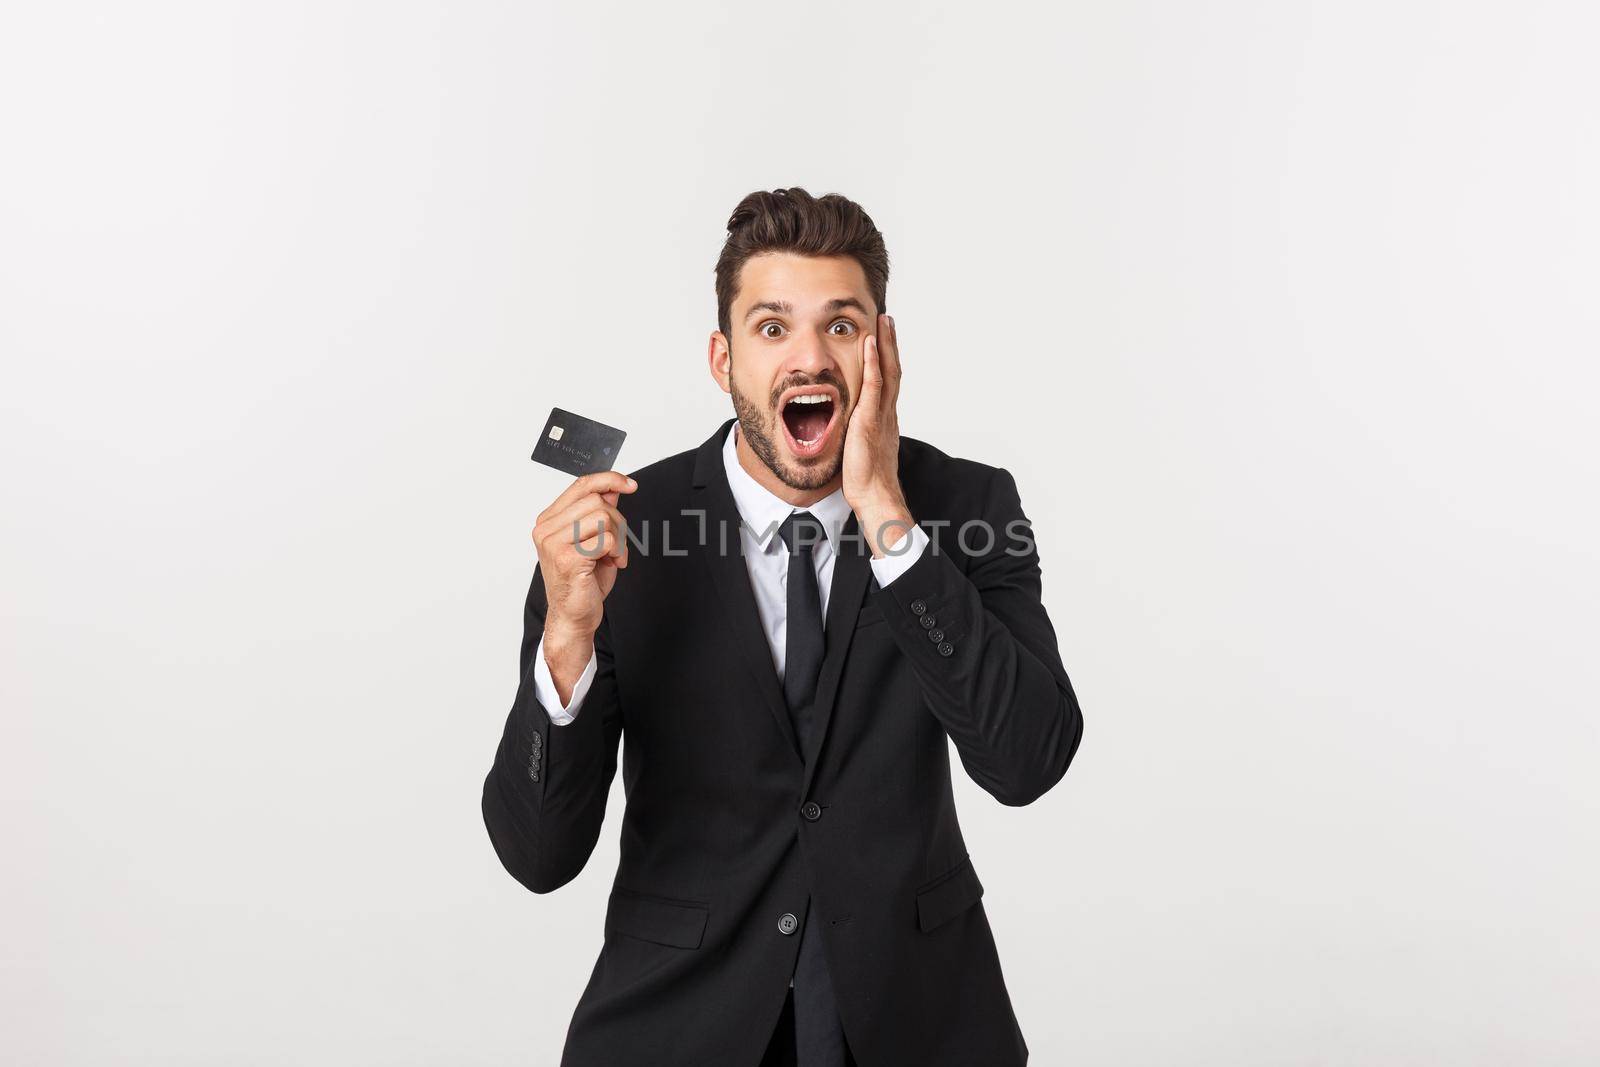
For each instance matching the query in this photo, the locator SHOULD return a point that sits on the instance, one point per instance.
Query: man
(797, 616)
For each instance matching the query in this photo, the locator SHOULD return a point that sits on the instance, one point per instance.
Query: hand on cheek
(872, 444)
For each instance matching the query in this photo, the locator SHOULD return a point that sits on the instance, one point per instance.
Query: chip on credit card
(576, 445)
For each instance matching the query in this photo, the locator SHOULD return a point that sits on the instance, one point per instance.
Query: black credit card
(577, 445)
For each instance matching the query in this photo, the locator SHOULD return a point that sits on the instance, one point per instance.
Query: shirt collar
(761, 511)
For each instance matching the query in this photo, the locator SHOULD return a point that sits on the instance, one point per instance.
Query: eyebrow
(784, 308)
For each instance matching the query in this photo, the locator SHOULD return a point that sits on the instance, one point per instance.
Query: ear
(720, 359)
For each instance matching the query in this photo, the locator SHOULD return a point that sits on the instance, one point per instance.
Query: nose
(808, 355)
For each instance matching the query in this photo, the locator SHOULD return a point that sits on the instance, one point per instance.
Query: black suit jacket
(729, 826)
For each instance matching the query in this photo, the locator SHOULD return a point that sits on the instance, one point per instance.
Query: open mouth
(808, 417)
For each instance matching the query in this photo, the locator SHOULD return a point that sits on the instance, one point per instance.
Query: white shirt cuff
(544, 688)
(900, 556)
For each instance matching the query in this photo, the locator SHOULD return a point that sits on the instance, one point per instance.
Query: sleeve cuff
(544, 688)
(900, 557)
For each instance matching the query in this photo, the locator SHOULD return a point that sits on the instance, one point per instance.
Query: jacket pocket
(948, 895)
(662, 920)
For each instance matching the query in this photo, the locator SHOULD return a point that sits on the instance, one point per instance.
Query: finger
(871, 386)
(560, 526)
(582, 510)
(605, 546)
(891, 360)
(579, 508)
(602, 549)
(871, 369)
(598, 482)
(888, 344)
(597, 535)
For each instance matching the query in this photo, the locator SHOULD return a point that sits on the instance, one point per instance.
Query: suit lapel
(850, 573)
(723, 553)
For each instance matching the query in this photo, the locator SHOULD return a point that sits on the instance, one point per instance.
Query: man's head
(800, 283)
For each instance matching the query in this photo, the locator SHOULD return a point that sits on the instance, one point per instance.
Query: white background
(1283, 315)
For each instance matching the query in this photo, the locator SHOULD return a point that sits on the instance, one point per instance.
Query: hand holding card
(580, 539)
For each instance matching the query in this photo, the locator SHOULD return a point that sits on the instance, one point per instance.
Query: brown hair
(792, 220)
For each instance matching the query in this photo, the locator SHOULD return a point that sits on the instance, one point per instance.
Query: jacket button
(946, 648)
(936, 636)
(788, 924)
(928, 621)
(811, 810)
(918, 607)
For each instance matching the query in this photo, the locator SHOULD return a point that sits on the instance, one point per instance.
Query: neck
(772, 483)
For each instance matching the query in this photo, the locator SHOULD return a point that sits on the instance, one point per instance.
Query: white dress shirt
(766, 558)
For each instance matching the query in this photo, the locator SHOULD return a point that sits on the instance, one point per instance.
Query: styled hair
(792, 220)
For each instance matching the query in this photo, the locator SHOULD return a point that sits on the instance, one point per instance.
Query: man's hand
(872, 445)
(581, 545)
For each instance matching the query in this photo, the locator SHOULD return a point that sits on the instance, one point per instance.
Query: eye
(762, 329)
(845, 322)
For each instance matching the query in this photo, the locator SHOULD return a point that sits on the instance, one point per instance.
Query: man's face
(795, 358)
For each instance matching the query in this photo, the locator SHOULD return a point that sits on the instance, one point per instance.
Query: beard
(760, 428)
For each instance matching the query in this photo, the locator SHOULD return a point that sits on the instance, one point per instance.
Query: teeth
(813, 398)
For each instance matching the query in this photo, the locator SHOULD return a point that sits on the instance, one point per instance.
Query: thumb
(606, 574)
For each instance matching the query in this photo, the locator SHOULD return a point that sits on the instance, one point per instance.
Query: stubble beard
(760, 432)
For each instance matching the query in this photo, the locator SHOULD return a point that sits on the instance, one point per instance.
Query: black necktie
(803, 644)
